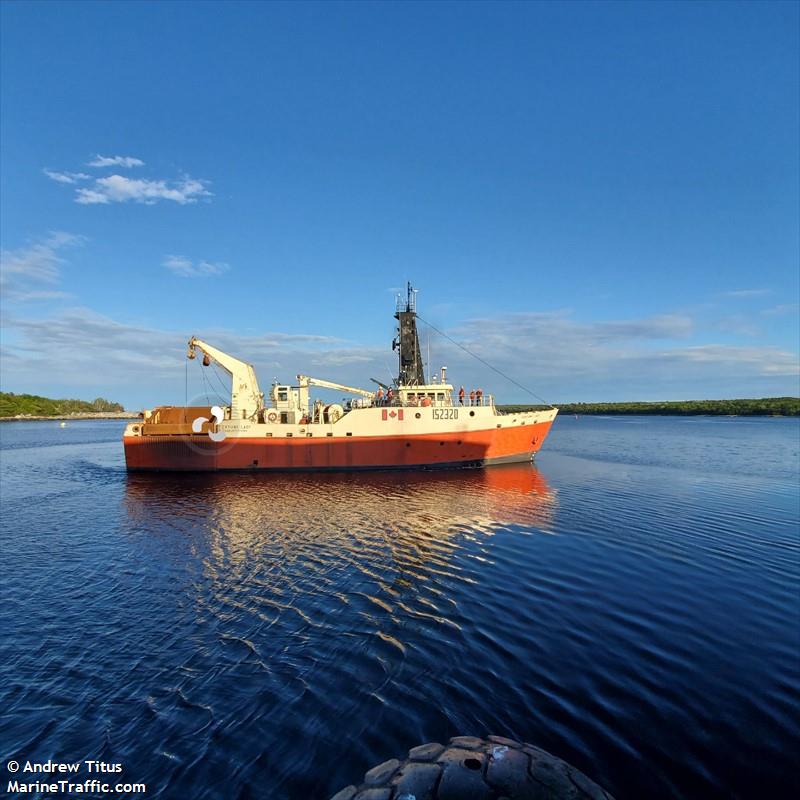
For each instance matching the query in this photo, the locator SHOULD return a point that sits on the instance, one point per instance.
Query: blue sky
(599, 198)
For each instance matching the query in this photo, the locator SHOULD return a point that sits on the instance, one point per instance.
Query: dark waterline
(630, 605)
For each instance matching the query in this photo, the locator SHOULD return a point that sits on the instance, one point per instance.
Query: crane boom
(305, 381)
(246, 397)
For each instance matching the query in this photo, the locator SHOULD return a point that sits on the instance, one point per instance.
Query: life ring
(272, 416)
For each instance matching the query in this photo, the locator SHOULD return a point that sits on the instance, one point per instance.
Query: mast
(410, 370)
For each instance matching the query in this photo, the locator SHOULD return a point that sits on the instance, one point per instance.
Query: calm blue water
(630, 605)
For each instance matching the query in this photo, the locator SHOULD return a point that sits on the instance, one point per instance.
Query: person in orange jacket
(479, 396)
(472, 397)
(461, 396)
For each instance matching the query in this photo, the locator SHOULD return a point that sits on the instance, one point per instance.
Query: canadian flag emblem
(386, 414)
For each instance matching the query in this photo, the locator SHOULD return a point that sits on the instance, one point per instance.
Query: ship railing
(483, 400)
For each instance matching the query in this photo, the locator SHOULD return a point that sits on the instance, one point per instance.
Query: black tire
(469, 768)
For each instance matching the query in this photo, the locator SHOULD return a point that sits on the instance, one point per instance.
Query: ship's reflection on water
(410, 514)
(328, 609)
(437, 498)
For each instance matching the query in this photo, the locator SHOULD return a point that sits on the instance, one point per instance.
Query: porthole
(472, 413)
(418, 415)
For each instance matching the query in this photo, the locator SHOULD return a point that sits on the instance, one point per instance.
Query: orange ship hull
(453, 449)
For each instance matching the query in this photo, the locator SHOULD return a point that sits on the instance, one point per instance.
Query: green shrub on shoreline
(762, 407)
(15, 405)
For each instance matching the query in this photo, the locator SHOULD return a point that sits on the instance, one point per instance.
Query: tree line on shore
(762, 407)
(16, 405)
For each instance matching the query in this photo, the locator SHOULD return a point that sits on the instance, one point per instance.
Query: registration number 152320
(445, 413)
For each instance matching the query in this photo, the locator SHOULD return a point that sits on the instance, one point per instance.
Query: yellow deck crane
(246, 398)
(333, 411)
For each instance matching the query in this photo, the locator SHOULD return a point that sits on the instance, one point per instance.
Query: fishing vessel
(413, 422)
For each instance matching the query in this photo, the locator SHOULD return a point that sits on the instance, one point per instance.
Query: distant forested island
(763, 407)
(31, 405)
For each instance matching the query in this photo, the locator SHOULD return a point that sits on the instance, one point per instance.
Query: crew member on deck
(461, 396)
(379, 397)
(472, 397)
(479, 396)
(389, 396)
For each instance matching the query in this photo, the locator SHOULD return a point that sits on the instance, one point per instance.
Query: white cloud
(115, 161)
(66, 177)
(781, 310)
(737, 324)
(140, 363)
(558, 328)
(564, 359)
(663, 326)
(747, 293)
(557, 356)
(22, 297)
(762, 361)
(185, 268)
(119, 189)
(26, 268)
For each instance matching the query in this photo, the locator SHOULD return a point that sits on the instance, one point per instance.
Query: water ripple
(631, 605)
